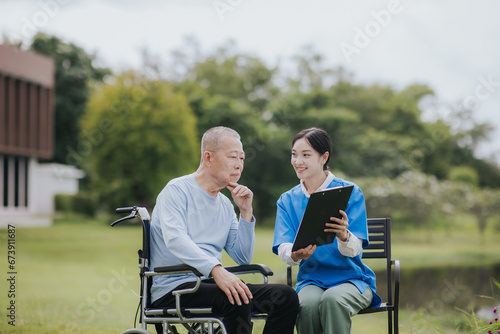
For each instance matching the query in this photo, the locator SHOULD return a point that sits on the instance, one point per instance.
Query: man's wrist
(215, 269)
(247, 215)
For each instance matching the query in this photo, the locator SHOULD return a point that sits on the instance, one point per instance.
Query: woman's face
(306, 161)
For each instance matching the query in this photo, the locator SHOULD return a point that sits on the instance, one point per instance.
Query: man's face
(227, 163)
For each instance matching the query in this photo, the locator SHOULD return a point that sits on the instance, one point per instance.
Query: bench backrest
(379, 234)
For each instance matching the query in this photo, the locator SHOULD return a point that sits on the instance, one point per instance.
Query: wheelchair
(194, 320)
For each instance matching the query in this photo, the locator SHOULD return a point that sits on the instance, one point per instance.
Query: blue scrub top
(327, 267)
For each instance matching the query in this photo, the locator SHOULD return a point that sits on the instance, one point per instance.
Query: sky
(451, 46)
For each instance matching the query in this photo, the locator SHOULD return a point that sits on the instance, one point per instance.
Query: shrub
(63, 203)
(83, 203)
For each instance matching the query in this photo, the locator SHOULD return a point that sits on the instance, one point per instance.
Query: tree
(137, 134)
(75, 71)
(227, 73)
(377, 131)
(464, 174)
(232, 89)
(484, 205)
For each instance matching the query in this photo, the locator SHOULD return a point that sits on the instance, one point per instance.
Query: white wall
(44, 182)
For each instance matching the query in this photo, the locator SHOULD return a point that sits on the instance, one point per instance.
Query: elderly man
(193, 221)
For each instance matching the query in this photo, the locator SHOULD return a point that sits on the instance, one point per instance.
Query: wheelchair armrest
(241, 269)
(177, 269)
(250, 269)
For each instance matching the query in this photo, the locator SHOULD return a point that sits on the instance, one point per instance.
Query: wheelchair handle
(134, 211)
(128, 209)
(131, 216)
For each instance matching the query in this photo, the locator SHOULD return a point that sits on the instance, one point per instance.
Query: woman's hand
(339, 226)
(304, 253)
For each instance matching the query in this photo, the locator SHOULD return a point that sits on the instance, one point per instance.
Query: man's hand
(242, 197)
(303, 253)
(339, 226)
(233, 287)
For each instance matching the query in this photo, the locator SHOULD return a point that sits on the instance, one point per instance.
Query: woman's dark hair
(320, 141)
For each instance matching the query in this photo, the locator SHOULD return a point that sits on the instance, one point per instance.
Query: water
(439, 289)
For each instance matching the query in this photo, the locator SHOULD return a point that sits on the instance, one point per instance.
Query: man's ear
(208, 158)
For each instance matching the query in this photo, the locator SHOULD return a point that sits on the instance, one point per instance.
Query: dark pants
(279, 301)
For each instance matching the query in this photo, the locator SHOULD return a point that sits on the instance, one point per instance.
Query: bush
(416, 199)
(63, 203)
(82, 203)
(464, 174)
(496, 222)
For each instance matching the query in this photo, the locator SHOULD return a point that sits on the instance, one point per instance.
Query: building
(27, 186)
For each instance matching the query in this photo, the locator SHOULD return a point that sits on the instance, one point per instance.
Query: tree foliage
(141, 130)
(138, 135)
(74, 73)
(377, 131)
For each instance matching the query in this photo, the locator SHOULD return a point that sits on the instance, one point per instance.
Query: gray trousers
(329, 311)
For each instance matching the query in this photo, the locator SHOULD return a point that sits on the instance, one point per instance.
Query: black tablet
(321, 206)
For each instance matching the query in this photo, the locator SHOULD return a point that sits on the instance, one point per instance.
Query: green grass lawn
(81, 276)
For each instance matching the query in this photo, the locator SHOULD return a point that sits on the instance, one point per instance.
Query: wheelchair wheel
(136, 331)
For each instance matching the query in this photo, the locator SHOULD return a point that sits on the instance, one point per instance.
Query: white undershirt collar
(324, 185)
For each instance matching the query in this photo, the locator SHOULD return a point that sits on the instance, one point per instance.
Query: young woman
(332, 282)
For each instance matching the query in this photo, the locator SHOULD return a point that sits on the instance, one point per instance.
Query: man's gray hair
(211, 138)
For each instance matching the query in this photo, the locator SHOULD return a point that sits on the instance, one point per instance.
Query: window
(14, 181)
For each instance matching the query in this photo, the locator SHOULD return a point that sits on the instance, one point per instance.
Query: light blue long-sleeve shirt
(189, 226)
